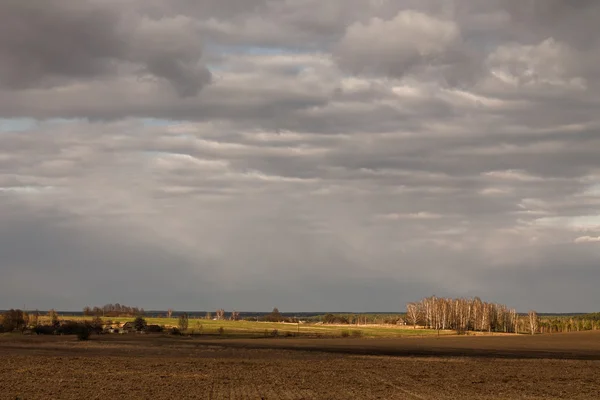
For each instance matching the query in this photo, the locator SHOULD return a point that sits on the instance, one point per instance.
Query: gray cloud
(354, 155)
(410, 42)
(48, 47)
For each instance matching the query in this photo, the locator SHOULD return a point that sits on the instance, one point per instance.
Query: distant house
(128, 327)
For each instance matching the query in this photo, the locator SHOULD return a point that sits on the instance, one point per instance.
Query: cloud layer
(352, 155)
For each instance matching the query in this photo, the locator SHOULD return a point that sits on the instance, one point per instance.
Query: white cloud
(588, 239)
(416, 216)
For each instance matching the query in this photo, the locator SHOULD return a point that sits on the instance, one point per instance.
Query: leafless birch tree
(413, 314)
(533, 322)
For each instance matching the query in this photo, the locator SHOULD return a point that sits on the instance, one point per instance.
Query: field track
(162, 367)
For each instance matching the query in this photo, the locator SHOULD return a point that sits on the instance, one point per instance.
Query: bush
(345, 333)
(96, 325)
(357, 333)
(139, 323)
(69, 328)
(13, 320)
(84, 332)
(221, 331)
(183, 322)
(43, 330)
(175, 331)
(274, 333)
(154, 329)
(334, 319)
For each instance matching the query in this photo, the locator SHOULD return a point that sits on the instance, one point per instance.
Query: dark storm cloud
(46, 47)
(346, 155)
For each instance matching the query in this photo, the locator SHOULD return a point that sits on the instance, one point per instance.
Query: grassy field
(253, 328)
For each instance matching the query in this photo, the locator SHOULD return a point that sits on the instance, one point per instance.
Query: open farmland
(254, 328)
(163, 367)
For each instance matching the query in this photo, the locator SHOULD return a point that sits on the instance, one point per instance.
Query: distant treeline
(113, 310)
(459, 314)
(358, 319)
(313, 316)
(572, 323)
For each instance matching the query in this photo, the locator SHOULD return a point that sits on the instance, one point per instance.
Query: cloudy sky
(343, 155)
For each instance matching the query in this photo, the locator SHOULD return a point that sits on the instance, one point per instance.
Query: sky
(339, 155)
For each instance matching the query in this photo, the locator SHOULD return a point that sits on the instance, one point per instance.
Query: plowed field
(156, 367)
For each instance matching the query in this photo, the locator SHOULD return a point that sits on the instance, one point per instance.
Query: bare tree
(220, 314)
(534, 322)
(183, 322)
(169, 313)
(35, 318)
(235, 315)
(413, 313)
(53, 318)
(208, 315)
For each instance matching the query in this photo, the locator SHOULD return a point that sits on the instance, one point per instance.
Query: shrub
(96, 325)
(183, 322)
(84, 331)
(13, 320)
(357, 333)
(274, 333)
(69, 328)
(154, 329)
(43, 330)
(345, 333)
(221, 331)
(139, 323)
(175, 331)
(334, 319)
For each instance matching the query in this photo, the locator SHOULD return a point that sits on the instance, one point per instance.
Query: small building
(128, 327)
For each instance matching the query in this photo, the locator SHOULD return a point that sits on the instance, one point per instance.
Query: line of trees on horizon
(113, 310)
(459, 314)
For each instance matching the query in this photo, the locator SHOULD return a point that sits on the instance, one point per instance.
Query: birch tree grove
(461, 315)
(533, 322)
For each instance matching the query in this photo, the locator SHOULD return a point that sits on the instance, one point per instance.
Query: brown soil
(156, 367)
